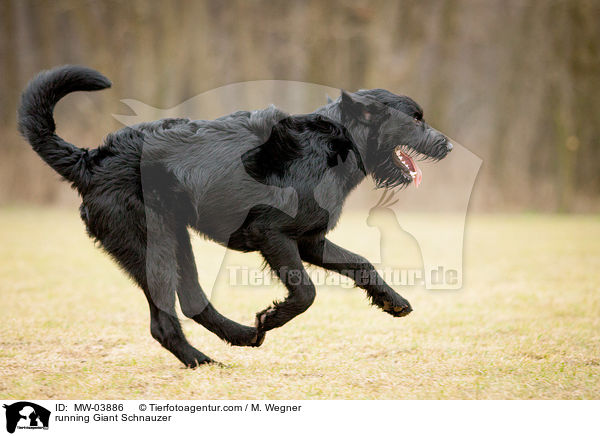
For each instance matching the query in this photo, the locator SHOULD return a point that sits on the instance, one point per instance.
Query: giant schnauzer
(260, 181)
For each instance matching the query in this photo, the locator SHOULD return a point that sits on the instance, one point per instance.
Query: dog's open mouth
(403, 160)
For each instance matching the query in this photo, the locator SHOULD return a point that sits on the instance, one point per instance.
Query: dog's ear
(348, 103)
(353, 109)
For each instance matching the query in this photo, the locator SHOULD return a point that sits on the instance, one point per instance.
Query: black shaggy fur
(262, 180)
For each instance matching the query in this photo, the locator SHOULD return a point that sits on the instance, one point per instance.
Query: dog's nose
(449, 146)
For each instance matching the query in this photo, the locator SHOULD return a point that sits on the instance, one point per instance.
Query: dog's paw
(262, 322)
(195, 358)
(399, 307)
(258, 339)
(248, 337)
(197, 363)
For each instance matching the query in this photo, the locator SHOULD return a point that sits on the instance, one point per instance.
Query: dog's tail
(36, 121)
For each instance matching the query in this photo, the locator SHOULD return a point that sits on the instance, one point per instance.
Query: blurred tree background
(516, 82)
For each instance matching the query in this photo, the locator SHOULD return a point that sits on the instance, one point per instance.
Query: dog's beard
(393, 163)
(386, 173)
(396, 165)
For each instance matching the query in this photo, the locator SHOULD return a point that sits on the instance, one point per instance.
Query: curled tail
(36, 121)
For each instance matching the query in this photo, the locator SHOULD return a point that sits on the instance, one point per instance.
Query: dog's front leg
(324, 253)
(281, 253)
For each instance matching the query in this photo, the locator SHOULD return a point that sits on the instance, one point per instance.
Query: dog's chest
(321, 212)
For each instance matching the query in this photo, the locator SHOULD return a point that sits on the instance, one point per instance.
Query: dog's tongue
(410, 164)
(419, 176)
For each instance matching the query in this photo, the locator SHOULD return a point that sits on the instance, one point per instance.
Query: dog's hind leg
(281, 253)
(171, 267)
(324, 253)
(195, 305)
(128, 247)
(165, 328)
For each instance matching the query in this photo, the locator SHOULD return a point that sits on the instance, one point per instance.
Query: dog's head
(392, 133)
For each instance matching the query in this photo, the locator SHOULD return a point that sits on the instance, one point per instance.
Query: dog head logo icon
(26, 415)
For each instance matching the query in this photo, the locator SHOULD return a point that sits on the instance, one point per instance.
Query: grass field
(526, 324)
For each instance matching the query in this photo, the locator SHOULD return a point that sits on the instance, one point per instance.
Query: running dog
(262, 181)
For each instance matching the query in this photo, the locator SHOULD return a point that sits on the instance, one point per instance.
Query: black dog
(260, 180)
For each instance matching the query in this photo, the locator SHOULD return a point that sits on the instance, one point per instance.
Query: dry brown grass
(526, 325)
